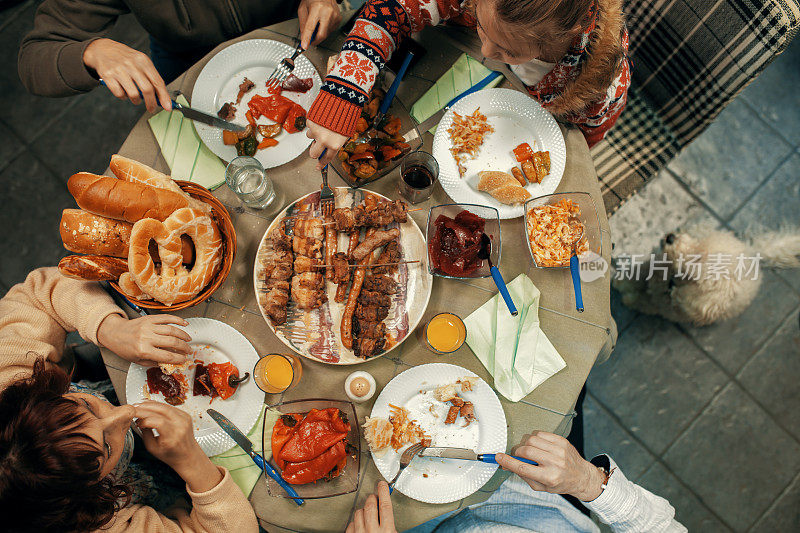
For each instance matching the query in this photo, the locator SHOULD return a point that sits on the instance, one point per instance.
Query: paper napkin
(464, 73)
(188, 158)
(243, 470)
(514, 349)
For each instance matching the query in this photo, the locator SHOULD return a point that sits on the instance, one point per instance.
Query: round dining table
(580, 338)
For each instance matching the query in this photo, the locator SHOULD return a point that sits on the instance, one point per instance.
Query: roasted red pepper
(220, 372)
(523, 152)
(274, 107)
(317, 468)
(290, 123)
(319, 430)
(281, 431)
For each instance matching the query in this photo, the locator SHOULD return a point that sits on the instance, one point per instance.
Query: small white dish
(360, 386)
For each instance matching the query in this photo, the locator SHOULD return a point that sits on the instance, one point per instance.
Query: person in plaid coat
(571, 55)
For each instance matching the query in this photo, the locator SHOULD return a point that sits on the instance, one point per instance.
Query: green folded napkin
(514, 349)
(464, 73)
(243, 470)
(188, 158)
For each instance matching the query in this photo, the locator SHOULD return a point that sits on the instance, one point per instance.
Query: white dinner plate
(212, 342)
(434, 480)
(516, 118)
(315, 334)
(219, 81)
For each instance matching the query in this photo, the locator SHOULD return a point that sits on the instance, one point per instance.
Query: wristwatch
(604, 464)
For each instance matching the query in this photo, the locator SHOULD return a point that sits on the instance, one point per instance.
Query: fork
(286, 66)
(405, 460)
(326, 198)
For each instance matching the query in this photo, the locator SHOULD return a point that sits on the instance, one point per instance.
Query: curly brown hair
(49, 469)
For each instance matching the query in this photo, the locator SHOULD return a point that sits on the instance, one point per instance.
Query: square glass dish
(407, 124)
(491, 228)
(348, 481)
(587, 216)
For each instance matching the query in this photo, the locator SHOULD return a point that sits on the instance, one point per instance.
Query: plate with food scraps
(423, 403)
(215, 347)
(300, 303)
(514, 118)
(219, 83)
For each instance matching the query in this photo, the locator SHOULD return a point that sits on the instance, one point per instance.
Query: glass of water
(246, 177)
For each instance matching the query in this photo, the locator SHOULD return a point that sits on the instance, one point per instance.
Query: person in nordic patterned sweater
(571, 55)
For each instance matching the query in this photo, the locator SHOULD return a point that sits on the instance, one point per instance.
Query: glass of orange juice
(275, 373)
(445, 333)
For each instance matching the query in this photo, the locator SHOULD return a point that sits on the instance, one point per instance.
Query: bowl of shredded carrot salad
(554, 222)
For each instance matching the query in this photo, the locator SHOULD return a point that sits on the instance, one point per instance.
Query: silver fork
(286, 66)
(405, 460)
(326, 197)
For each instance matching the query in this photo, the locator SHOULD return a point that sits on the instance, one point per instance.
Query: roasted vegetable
(523, 152)
(270, 130)
(266, 143)
(247, 146)
(229, 137)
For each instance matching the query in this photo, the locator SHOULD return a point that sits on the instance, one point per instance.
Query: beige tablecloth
(579, 337)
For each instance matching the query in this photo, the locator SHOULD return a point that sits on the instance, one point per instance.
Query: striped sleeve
(375, 36)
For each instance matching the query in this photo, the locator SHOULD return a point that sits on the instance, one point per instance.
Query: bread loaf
(503, 186)
(136, 172)
(86, 233)
(92, 267)
(123, 200)
(131, 289)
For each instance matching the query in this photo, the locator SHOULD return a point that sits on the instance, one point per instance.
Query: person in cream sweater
(63, 449)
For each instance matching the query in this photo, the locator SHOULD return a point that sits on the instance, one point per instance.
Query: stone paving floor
(706, 417)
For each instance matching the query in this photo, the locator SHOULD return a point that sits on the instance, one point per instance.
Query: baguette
(85, 233)
(92, 267)
(136, 172)
(123, 200)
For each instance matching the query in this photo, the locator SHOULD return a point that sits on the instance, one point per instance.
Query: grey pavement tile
(792, 277)
(774, 94)
(656, 381)
(772, 375)
(732, 342)
(735, 458)
(689, 510)
(776, 203)
(35, 199)
(602, 434)
(10, 145)
(784, 515)
(30, 114)
(88, 134)
(662, 206)
(622, 315)
(731, 158)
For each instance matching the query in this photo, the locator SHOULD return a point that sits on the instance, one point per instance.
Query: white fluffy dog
(698, 276)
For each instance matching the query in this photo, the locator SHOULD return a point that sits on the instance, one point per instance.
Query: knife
(434, 119)
(245, 444)
(467, 455)
(199, 116)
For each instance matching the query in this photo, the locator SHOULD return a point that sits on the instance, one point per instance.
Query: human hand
(326, 13)
(561, 469)
(147, 340)
(324, 139)
(175, 444)
(376, 516)
(124, 69)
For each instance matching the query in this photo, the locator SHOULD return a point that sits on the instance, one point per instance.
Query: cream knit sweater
(35, 317)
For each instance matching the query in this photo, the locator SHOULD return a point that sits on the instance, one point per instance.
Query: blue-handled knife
(466, 455)
(245, 444)
(199, 116)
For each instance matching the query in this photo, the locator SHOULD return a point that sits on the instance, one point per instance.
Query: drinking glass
(449, 336)
(275, 373)
(418, 176)
(246, 178)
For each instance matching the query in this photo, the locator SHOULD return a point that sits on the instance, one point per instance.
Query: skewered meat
(366, 347)
(380, 283)
(280, 284)
(341, 268)
(371, 314)
(275, 304)
(279, 268)
(390, 254)
(306, 292)
(374, 298)
(310, 228)
(304, 264)
(379, 238)
(307, 246)
(276, 261)
(312, 280)
(375, 216)
(363, 328)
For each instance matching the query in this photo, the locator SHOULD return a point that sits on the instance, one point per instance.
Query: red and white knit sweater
(567, 90)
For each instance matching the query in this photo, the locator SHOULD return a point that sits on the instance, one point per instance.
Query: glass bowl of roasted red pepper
(315, 445)
(454, 240)
(376, 149)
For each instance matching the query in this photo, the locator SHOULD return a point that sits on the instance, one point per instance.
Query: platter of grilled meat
(342, 289)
